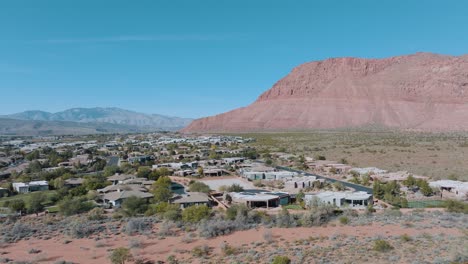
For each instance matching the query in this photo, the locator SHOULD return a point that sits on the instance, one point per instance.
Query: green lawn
(425, 204)
(293, 207)
(26, 196)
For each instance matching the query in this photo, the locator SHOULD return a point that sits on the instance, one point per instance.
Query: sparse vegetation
(120, 255)
(381, 245)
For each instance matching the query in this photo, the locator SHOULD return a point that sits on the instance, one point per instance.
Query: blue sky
(198, 58)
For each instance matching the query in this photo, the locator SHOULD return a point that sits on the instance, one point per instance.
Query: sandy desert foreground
(416, 236)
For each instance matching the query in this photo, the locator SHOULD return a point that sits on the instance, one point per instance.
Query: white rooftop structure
(458, 187)
(351, 199)
(368, 170)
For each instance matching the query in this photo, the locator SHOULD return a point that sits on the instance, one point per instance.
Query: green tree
(426, 190)
(33, 155)
(378, 190)
(199, 187)
(235, 188)
(35, 203)
(35, 166)
(410, 181)
(120, 255)
(71, 206)
(111, 170)
(143, 172)
(196, 213)
(95, 181)
(17, 205)
(162, 189)
(134, 205)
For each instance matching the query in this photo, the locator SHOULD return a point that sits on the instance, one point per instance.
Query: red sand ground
(154, 248)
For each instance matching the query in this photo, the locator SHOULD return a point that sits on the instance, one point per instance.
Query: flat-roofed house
(341, 199)
(460, 189)
(253, 199)
(33, 186)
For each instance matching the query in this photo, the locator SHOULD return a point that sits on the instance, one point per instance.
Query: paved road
(357, 187)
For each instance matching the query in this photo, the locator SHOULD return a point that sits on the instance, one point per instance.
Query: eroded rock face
(422, 91)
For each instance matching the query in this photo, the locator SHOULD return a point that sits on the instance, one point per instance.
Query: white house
(33, 186)
(460, 189)
(341, 199)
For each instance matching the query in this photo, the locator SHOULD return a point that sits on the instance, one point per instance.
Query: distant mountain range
(89, 120)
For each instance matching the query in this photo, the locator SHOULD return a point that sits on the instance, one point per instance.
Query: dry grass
(437, 155)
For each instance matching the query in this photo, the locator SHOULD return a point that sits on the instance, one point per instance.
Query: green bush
(454, 206)
(120, 255)
(381, 245)
(344, 220)
(281, 260)
(199, 187)
(133, 206)
(72, 206)
(195, 214)
(405, 238)
(201, 251)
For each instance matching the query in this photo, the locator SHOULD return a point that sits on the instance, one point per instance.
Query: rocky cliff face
(422, 91)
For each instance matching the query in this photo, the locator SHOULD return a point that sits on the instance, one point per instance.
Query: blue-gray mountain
(106, 115)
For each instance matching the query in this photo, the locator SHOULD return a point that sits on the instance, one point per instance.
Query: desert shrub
(281, 260)
(344, 220)
(195, 214)
(454, 206)
(120, 255)
(235, 210)
(201, 251)
(405, 238)
(137, 226)
(96, 214)
(258, 183)
(284, 219)
(338, 186)
(172, 260)
(63, 262)
(214, 228)
(381, 245)
(135, 243)
(235, 188)
(268, 236)
(318, 214)
(166, 210)
(17, 232)
(166, 229)
(82, 229)
(392, 212)
(227, 249)
(34, 251)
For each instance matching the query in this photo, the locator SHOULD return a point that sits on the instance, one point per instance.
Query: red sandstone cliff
(422, 91)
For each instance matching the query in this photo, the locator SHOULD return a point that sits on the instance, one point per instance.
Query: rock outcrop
(422, 91)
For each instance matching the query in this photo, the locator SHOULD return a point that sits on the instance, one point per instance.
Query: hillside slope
(422, 91)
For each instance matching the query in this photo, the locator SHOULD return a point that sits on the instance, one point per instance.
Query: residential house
(341, 199)
(33, 186)
(190, 199)
(115, 199)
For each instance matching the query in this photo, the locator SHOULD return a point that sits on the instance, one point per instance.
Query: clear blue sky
(198, 57)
